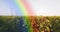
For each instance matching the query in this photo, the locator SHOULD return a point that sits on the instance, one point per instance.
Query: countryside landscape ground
(29, 23)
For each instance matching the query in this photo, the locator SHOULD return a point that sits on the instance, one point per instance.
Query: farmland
(29, 23)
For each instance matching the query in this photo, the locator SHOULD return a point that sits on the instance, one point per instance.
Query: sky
(4, 8)
(40, 7)
(46, 7)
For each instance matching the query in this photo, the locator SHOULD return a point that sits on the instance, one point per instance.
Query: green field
(50, 23)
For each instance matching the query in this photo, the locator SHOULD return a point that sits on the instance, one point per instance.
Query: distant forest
(29, 23)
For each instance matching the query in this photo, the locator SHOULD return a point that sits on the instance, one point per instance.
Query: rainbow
(25, 7)
(26, 10)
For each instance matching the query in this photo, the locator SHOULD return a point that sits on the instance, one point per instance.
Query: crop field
(29, 23)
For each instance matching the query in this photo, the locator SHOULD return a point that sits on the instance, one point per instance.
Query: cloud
(51, 7)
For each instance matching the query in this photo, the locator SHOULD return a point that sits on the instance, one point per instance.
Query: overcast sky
(40, 7)
(46, 7)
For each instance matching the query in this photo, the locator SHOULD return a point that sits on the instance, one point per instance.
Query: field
(29, 23)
